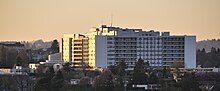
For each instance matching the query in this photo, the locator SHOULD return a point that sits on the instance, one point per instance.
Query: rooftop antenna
(111, 20)
(102, 22)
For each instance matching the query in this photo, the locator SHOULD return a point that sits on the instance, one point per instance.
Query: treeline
(208, 59)
(208, 44)
(112, 79)
(9, 57)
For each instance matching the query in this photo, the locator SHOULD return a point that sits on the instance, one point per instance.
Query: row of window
(173, 55)
(173, 59)
(173, 51)
(173, 43)
(133, 39)
(172, 47)
(174, 39)
(127, 46)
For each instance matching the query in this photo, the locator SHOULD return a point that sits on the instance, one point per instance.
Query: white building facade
(109, 45)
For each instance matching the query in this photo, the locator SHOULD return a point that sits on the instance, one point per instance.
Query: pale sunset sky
(49, 19)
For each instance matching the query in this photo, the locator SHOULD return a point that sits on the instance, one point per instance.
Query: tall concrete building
(109, 45)
(75, 50)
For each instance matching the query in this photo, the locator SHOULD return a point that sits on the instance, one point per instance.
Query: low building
(33, 67)
(53, 59)
(148, 86)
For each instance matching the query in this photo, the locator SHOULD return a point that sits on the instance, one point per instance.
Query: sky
(27, 20)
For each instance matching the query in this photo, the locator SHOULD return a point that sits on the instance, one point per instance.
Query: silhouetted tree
(55, 46)
(44, 84)
(189, 83)
(19, 61)
(213, 50)
(164, 72)
(203, 50)
(67, 67)
(177, 64)
(113, 69)
(121, 68)
(103, 81)
(121, 71)
(8, 57)
(141, 66)
(218, 50)
(140, 75)
(57, 81)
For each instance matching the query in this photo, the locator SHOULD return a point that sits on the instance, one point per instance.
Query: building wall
(75, 50)
(101, 51)
(190, 52)
(173, 50)
(66, 51)
(55, 56)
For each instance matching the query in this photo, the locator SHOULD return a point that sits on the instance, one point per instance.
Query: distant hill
(37, 44)
(208, 44)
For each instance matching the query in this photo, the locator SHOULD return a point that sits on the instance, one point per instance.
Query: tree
(23, 82)
(19, 61)
(3, 56)
(55, 46)
(113, 69)
(177, 64)
(84, 81)
(164, 72)
(140, 75)
(7, 83)
(189, 83)
(57, 81)
(140, 66)
(213, 50)
(218, 50)
(44, 84)
(8, 57)
(103, 81)
(121, 71)
(67, 67)
(121, 68)
(203, 50)
(152, 78)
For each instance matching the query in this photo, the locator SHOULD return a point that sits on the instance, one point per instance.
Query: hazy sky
(50, 19)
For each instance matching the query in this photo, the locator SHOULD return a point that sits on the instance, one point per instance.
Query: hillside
(208, 44)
